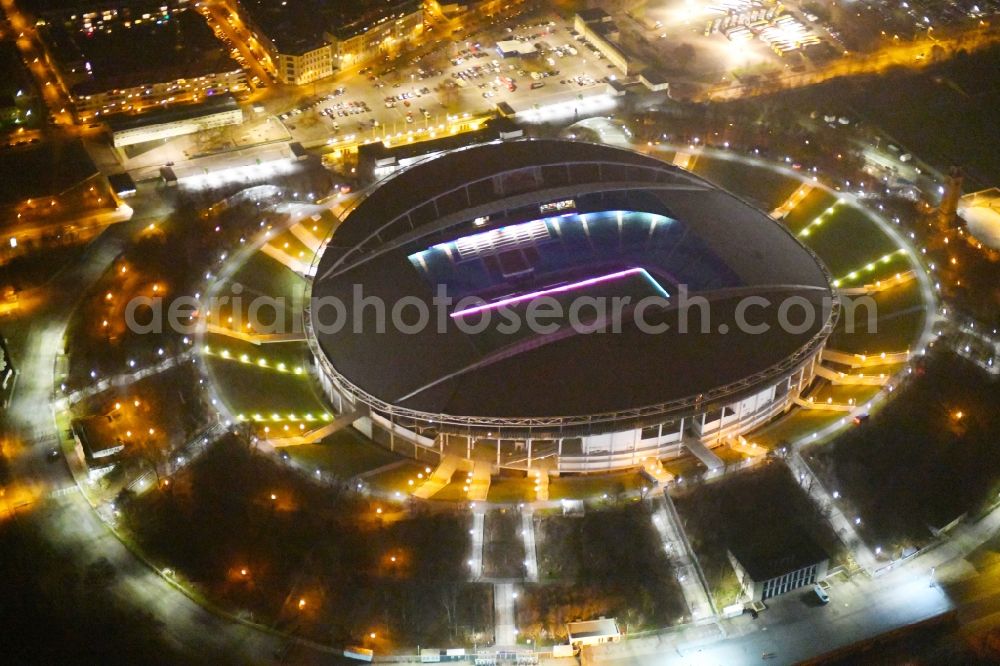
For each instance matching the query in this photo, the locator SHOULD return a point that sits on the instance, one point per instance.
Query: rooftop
(404, 151)
(785, 548)
(593, 15)
(592, 628)
(129, 50)
(213, 104)
(655, 76)
(299, 26)
(96, 9)
(618, 237)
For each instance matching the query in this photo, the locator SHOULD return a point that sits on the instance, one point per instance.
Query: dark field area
(758, 509)
(58, 609)
(609, 562)
(313, 560)
(503, 547)
(946, 114)
(931, 455)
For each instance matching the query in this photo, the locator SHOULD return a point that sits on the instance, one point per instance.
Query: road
(794, 627)
(68, 520)
(916, 54)
(56, 98)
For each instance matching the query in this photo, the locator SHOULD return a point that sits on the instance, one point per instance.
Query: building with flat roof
(505, 223)
(597, 28)
(467, 11)
(654, 79)
(981, 213)
(134, 57)
(593, 632)
(216, 111)
(509, 48)
(96, 444)
(778, 563)
(309, 39)
(377, 160)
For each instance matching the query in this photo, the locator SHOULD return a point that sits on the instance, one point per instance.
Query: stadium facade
(505, 224)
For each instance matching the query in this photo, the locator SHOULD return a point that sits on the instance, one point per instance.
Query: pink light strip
(559, 290)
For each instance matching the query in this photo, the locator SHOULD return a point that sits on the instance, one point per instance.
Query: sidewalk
(692, 582)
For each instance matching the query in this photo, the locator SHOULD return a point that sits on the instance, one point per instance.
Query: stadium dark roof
(709, 238)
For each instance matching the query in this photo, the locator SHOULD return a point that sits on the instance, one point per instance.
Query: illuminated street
(499, 333)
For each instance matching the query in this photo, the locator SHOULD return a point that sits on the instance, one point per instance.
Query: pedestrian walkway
(505, 632)
(478, 525)
(827, 406)
(653, 469)
(859, 379)
(528, 537)
(749, 449)
(439, 478)
(541, 477)
(297, 265)
(306, 237)
(864, 360)
(682, 558)
(702, 453)
(842, 525)
(684, 160)
(122, 380)
(880, 285)
(319, 434)
(794, 199)
(479, 484)
(255, 338)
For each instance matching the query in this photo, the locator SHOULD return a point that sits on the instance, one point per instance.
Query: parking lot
(418, 92)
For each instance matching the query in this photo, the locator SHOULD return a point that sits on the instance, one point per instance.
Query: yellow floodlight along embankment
(793, 200)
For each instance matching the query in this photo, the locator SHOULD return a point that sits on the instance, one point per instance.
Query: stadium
(507, 224)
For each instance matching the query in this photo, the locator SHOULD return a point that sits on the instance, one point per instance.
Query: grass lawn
(841, 393)
(685, 466)
(727, 455)
(248, 389)
(902, 297)
(764, 188)
(511, 490)
(848, 240)
(396, 480)
(345, 453)
(454, 491)
(263, 275)
(899, 317)
(896, 332)
(292, 354)
(270, 314)
(795, 425)
(809, 209)
(593, 486)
